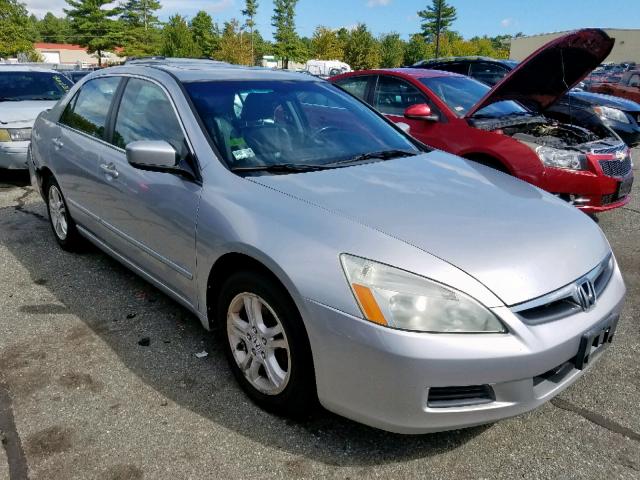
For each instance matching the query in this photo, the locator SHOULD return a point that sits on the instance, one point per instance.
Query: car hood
(604, 101)
(551, 71)
(517, 240)
(23, 112)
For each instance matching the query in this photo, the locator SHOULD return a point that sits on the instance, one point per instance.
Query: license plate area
(594, 341)
(624, 188)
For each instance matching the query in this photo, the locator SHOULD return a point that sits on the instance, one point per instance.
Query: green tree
(54, 29)
(287, 44)
(326, 45)
(437, 18)
(205, 34)
(177, 40)
(250, 10)
(416, 50)
(17, 32)
(141, 32)
(94, 26)
(391, 50)
(234, 47)
(362, 51)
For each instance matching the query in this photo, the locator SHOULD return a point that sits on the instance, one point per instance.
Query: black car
(591, 110)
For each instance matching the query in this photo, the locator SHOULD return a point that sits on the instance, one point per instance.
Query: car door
(632, 89)
(77, 144)
(151, 215)
(393, 95)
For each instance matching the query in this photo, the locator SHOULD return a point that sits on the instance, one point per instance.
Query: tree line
(134, 26)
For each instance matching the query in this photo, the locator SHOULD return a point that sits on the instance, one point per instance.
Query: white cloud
(507, 22)
(169, 7)
(378, 3)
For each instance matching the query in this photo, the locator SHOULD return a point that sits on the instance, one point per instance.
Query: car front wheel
(266, 344)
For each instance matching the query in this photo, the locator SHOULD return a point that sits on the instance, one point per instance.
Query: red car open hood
(551, 71)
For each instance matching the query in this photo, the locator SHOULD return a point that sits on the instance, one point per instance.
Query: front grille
(561, 303)
(443, 397)
(616, 168)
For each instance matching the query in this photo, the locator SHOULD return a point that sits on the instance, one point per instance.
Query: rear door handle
(57, 142)
(109, 169)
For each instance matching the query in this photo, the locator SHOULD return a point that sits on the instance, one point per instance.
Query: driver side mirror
(421, 111)
(157, 155)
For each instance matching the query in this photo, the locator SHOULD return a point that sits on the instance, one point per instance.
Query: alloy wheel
(258, 343)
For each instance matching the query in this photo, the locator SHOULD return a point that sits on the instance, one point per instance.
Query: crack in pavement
(10, 439)
(597, 419)
(631, 209)
(20, 207)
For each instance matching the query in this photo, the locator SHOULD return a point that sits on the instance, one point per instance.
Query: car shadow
(125, 312)
(14, 178)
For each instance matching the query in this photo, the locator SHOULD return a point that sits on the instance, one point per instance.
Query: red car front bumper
(593, 190)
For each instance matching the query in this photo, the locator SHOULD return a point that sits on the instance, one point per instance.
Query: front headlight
(398, 299)
(611, 114)
(15, 134)
(553, 157)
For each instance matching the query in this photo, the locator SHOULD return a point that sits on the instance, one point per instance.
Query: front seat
(260, 129)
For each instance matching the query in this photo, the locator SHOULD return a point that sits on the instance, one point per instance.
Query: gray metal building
(626, 49)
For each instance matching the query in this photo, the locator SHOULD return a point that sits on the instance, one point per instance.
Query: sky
(475, 17)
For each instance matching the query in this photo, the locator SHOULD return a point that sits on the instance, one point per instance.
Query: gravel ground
(81, 399)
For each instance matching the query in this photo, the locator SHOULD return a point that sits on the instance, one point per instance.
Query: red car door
(393, 95)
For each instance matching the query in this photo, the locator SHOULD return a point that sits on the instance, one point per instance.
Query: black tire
(299, 398)
(72, 241)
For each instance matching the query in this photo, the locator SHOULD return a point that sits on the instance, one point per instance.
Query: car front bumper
(381, 377)
(13, 155)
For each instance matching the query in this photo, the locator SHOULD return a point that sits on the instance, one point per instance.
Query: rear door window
(89, 109)
(356, 86)
(393, 96)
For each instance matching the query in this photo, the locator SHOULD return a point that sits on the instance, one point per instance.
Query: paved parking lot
(81, 398)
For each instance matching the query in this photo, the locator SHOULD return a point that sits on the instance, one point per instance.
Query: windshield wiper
(382, 155)
(281, 168)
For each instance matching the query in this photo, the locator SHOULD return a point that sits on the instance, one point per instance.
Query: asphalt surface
(81, 399)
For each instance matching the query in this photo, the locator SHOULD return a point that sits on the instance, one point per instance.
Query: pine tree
(17, 32)
(205, 34)
(437, 18)
(93, 26)
(142, 33)
(177, 40)
(250, 10)
(287, 44)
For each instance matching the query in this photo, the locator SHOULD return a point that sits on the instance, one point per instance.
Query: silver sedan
(344, 262)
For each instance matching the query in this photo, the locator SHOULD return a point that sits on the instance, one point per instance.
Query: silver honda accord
(342, 261)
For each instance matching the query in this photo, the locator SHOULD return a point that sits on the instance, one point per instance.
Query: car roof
(196, 70)
(404, 72)
(25, 68)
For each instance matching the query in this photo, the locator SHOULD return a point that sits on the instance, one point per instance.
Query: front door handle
(109, 169)
(57, 142)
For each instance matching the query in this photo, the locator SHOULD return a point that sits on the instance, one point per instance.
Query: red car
(503, 126)
(627, 87)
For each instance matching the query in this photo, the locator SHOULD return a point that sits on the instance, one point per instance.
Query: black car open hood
(551, 71)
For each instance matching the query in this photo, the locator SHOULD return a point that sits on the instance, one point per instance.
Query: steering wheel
(323, 131)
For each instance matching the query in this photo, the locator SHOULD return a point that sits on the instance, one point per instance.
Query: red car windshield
(462, 93)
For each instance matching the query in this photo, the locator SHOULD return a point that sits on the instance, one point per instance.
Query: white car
(25, 92)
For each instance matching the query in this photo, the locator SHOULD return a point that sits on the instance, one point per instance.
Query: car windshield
(462, 93)
(17, 86)
(258, 124)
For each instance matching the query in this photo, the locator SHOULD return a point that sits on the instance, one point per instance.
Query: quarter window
(634, 81)
(393, 96)
(488, 73)
(355, 86)
(88, 110)
(146, 113)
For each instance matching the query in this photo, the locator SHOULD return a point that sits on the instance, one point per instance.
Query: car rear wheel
(62, 225)
(266, 344)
